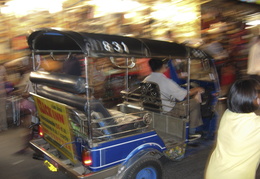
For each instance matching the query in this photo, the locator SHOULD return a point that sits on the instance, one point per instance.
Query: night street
(23, 166)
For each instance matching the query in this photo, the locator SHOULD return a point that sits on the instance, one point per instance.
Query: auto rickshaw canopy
(103, 45)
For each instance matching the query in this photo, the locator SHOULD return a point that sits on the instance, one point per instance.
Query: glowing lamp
(86, 158)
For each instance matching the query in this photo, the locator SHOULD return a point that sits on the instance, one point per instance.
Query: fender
(137, 155)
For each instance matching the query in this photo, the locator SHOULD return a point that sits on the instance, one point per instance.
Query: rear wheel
(147, 168)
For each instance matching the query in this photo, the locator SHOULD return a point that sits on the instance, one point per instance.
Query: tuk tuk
(93, 118)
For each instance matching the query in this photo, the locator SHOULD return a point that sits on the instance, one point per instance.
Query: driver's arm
(194, 91)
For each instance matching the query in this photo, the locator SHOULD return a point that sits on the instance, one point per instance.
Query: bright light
(175, 13)
(187, 17)
(25, 7)
(130, 15)
(114, 6)
(253, 23)
(86, 158)
(164, 11)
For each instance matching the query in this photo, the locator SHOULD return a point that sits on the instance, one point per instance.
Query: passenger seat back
(151, 97)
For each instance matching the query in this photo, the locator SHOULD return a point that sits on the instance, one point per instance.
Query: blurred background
(228, 24)
(225, 29)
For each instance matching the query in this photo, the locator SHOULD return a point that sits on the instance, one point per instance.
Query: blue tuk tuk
(94, 124)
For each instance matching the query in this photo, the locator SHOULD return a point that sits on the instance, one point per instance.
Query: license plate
(50, 165)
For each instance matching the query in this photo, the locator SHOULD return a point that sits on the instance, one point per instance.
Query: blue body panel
(117, 151)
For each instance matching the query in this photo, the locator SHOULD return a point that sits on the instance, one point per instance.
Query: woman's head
(243, 96)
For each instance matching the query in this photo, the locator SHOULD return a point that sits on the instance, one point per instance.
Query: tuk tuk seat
(151, 100)
(151, 97)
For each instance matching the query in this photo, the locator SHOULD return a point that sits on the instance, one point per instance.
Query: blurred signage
(19, 42)
(55, 123)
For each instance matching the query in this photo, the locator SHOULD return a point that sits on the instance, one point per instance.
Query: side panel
(114, 152)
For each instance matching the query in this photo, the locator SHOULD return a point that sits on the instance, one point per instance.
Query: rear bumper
(76, 171)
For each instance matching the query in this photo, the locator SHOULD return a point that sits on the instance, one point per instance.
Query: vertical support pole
(188, 98)
(187, 126)
(127, 77)
(86, 65)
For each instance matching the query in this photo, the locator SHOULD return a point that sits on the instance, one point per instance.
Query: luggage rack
(122, 124)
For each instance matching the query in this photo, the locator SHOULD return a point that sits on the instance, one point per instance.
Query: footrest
(194, 137)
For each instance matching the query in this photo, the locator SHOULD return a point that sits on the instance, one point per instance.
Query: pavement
(21, 166)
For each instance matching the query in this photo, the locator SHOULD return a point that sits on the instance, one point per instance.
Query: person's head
(157, 65)
(72, 67)
(169, 34)
(243, 96)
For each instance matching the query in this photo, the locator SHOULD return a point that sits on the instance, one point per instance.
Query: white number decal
(115, 47)
(108, 46)
(125, 47)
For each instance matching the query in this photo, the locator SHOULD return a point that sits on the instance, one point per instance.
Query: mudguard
(132, 159)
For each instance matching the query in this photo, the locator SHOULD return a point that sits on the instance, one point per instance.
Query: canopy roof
(103, 45)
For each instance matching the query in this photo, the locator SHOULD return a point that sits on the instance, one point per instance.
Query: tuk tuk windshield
(200, 69)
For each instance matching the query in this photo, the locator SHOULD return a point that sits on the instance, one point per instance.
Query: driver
(171, 91)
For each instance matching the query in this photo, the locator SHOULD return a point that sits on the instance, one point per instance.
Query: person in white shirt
(171, 91)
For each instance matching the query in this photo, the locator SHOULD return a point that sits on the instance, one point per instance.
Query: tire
(147, 168)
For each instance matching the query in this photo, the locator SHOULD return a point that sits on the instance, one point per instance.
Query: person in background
(72, 66)
(237, 151)
(27, 105)
(167, 36)
(253, 67)
(3, 119)
(214, 49)
(171, 91)
(27, 108)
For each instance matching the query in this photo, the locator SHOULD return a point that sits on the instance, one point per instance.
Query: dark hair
(242, 96)
(156, 64)
(72, 66)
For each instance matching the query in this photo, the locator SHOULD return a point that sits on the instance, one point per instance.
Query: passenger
(172, 92)
(72, 66)
(237, 151)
